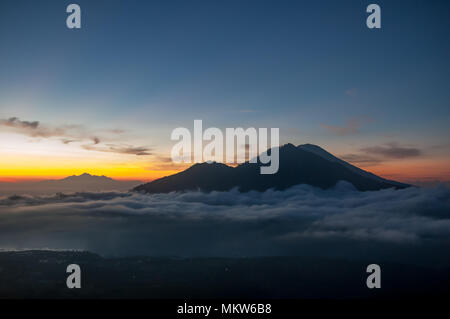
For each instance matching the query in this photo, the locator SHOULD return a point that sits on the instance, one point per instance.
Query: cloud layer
(411, 222)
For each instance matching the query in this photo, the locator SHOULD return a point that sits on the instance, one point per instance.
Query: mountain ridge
(303, 164)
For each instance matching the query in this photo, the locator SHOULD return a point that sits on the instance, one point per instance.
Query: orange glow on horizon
(23, 160)
(423, 170)
(417, 170)
(20, 169)
(139, 174)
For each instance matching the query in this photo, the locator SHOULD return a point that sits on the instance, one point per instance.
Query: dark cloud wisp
(393, 150)
(352, 126)
(373, 155)
(68, 134)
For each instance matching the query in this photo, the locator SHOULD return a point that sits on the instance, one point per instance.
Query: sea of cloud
(408, 225)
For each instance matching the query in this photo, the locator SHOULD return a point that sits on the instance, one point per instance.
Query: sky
(105, 98)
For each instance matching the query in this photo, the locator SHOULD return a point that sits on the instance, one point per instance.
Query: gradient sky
(107, 96)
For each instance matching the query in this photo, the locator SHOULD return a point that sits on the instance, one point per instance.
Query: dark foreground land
(42, 274)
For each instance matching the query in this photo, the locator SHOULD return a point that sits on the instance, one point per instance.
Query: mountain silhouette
(304, 164)
(85, 177)
(71, 184)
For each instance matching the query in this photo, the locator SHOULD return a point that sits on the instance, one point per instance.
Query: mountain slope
(328, 156)
(204, 176)
(298, 165)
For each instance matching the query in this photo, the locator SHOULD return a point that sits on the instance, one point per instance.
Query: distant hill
(81, 183)
(303, 164)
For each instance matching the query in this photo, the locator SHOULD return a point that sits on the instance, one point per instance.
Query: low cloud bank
(411, 224)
